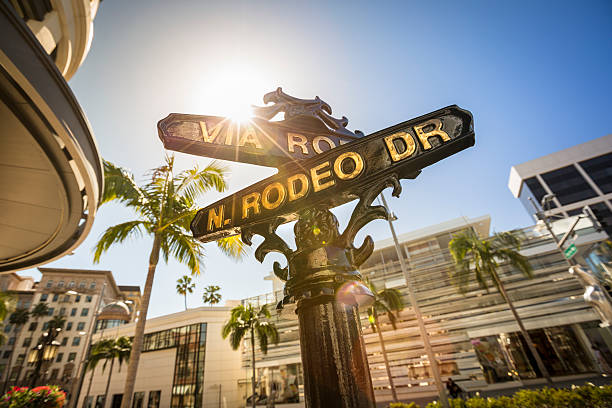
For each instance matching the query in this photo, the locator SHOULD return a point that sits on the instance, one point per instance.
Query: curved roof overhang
(51, 174)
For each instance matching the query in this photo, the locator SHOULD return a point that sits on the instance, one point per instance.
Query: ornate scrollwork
(309, 114)
(325, 259)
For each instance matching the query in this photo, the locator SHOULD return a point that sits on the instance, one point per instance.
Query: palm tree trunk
(110, 373)
(130, 381)
(524, 332)
(88, 387)
(253, 399)
(384, 353)
(185, 300)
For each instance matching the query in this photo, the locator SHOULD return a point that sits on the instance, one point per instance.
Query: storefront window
(283, 383)
(491, 356)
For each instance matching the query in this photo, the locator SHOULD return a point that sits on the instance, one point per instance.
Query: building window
(60, 284)
(27, 342)
(51, 310)
(7, 328)
(154, 397)
(76, 341)
(138, 401)
(6, 354)
(80, 326)
(71, 357)
(599, 170)
(72, 284)
(55, 297)
(67, 299)
(568, 185)
(88, 298)
(59, 358)
(33, 326)
(73, 312)
(45, 325)
(92, 286)
(68, 326)
(64, 341)
(44, 297)
(77, 299)
(84, 311)
(99, 401)
(49, 283)
(62, 311)
(54, 374)
(82, 285)
(88, 402)
(11, 341)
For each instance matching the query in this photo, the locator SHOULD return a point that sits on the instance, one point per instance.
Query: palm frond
(119, 185)
(184, 248)
(233, 247)
(192, 183)
(117, 234)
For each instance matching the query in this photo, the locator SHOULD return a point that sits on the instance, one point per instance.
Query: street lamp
(46, 350)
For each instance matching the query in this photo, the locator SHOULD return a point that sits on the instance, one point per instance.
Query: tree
(110, 350)
(40, 310)
(18, 318)
(482, 259)
(211, 295)
(97, 353)
(164, 206)
(386, 301)
(184, 286)
(245, 319)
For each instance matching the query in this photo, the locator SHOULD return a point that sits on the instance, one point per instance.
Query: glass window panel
(568, 185)
(138, 401)
(599, 170)
(154, 398)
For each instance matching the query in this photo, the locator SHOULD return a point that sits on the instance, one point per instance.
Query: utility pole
(413, 301)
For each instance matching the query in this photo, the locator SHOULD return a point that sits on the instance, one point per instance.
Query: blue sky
(535, 75)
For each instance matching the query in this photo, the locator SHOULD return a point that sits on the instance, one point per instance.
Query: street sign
(335, 177)
(570, 251)
(306, 130)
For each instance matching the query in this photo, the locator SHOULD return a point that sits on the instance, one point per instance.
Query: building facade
(52, 175)
(473, 335)
(184, 363)
(578, 176)
(73, 294)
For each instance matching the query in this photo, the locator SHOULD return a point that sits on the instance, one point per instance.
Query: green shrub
(403, 405)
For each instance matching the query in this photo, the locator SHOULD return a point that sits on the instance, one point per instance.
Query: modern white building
(51, 175)
(184, 363)
(578, 176)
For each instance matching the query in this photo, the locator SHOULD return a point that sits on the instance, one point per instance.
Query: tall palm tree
(164, 207)
(481, 259)
(117, 349)
(99, 352)
(18, 318)
(245, 319)
(184, 286)
(389, 302)
(211, 295)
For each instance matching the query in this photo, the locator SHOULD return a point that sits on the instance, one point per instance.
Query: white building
(185, 362)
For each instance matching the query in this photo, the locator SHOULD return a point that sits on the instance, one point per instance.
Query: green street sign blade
(570, 251)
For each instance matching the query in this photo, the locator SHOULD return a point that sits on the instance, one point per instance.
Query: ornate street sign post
(321, 165)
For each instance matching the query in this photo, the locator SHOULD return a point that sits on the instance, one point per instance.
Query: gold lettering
(437, 131)
(229, 135)
(280, 196)
(215, 218)
(250, 201)
(294, 195)
(295, 139)
(249, 136)
(210, 137)
(316, 143)
(407, 139)
(343, 142)
(317, 177)
(356, 158)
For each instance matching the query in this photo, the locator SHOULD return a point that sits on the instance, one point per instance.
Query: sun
(231, 91)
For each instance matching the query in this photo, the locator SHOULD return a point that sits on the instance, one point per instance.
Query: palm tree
(118, 349)
(164, 207)
(245, 319)
(40, 310)
(386, 301)
(211, 295)
(18, 318)
(481, 259)
(98, 352)
(184, 286)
